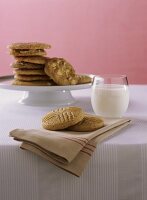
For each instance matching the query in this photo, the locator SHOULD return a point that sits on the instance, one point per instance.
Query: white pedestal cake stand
(43, 95)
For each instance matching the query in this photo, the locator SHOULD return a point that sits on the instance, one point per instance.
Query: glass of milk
(110, 95)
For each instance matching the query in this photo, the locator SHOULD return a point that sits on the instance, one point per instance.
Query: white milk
(110, 100)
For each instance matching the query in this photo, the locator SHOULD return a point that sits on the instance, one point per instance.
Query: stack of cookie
(72, 119)
(29, 63)
(33, 68)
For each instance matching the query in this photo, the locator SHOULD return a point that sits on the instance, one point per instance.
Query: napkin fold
(68, 150)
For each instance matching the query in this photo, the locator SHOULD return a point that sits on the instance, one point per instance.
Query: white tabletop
(117, 170)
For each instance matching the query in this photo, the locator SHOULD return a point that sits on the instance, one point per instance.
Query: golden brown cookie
(29, 72)
(32, 77)
(31, 83)
(62, 118)
(27, 52)
(25, 65)
(29, 45)
(61, 71)
(32, 59)
(89, 123)
(82, 79)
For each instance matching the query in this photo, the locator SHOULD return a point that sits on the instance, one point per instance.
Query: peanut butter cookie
(29, 72)
(62, 118)
(29, 45)
(27, 52)
(25, 65)
(32, 77)
(89, 123)
(31, 83)
(32, 59)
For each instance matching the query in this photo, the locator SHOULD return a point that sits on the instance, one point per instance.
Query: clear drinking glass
(110, 95)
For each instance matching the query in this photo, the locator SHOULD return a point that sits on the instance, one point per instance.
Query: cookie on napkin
(89, 123)
(62, 118)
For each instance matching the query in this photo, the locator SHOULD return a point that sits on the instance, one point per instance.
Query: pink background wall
(96, 36)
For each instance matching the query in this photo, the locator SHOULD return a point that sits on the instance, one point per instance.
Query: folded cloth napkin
(66, 149)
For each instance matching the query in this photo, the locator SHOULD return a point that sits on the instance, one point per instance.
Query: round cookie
(29, 72)
(25, 65)
(32, 77)
(31, 83)
(89, 123)
(61, 71)
(62, 118)
(82, 79)
(29, 45)
(32, 59)
(27, 52)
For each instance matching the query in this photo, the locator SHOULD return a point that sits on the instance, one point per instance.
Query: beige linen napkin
(66, 149)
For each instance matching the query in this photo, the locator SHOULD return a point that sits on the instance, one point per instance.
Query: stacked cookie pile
(32, 67)
(72, 119)
(29, 64)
